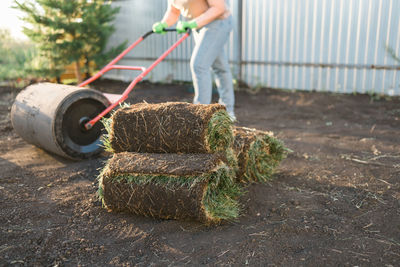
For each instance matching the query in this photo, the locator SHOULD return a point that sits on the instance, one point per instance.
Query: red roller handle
(143, 74)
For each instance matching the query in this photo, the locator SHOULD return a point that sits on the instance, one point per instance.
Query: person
(211, 24)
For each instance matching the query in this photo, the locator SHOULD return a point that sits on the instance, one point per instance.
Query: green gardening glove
(159, 27)
(182, 26)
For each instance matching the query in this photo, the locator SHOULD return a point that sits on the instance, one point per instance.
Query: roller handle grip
(166, 30)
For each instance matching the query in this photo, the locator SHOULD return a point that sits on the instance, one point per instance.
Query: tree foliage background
(15, 56)
(69, 32)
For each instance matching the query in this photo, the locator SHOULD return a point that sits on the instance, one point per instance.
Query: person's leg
(209, 43)
(224, 83)
(200, 68)
(224, 76)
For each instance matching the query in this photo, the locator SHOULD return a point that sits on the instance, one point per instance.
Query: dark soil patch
(334, 201)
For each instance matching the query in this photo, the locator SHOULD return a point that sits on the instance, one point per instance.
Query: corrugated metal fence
(324, 45)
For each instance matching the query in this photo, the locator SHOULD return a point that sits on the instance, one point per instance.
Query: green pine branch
(69, 32)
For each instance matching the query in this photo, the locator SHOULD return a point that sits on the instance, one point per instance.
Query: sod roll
(171, 127)
(170, 186)
(258, 154)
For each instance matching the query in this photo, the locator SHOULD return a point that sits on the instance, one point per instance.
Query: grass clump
(263, 156)
(220, 135)
(172, 127)
(221, 196)
(106, 136)
(106, 121)
(210, 197)
(258, 154)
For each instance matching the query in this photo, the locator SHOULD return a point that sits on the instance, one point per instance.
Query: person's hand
(159, 27)
(182, 26)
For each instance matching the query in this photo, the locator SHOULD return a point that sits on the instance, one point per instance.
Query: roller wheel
(52, 116)
(75, 137)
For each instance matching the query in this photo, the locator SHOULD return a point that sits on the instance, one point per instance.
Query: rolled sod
(171, 127)
(170, 186)
(258, 154)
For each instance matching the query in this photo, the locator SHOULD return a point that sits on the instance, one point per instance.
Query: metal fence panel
(323, 45)
(326, 45)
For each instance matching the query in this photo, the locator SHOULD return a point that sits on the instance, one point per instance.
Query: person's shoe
(232, 116)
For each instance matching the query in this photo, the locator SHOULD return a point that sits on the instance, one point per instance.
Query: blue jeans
(208, 54)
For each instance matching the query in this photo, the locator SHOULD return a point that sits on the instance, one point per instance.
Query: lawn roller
(64, 119)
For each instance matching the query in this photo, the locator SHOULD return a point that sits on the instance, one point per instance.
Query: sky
(9, 19)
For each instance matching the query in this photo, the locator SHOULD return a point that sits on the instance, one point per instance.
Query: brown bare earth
(335, 201)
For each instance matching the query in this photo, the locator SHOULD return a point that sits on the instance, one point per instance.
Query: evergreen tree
(96, 31)
(69, 32)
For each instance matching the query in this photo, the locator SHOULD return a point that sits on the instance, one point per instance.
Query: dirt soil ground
(335, 201)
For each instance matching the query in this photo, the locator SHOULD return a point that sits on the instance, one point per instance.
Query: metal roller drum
(52, 116)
